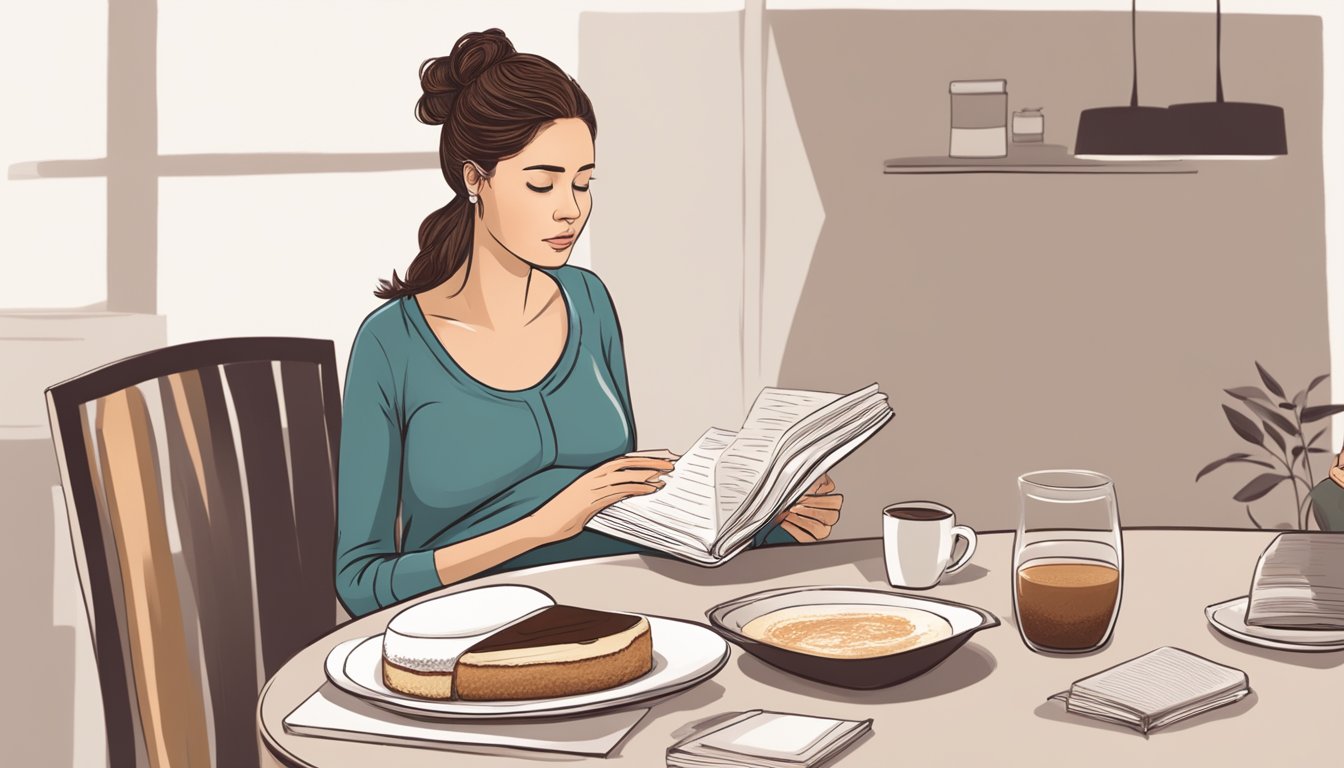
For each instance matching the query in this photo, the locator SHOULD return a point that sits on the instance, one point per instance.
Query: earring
(471, 198)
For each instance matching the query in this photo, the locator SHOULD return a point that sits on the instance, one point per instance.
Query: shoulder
(585, 287)
(381, 334)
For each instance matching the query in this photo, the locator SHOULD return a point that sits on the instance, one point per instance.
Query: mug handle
(966, 533)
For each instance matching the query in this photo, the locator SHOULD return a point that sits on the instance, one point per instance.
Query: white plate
(683, 654)
(1229, 617)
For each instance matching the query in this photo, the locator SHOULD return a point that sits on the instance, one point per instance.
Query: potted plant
(1278, 426)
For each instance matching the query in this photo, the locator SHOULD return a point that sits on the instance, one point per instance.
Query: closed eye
(541, 189)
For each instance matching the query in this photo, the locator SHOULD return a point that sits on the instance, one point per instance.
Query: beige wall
(670, 240)
(1023, 322)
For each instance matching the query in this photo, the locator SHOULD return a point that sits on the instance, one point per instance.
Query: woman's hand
(812, 518)
(569, 511)
(1337, 470)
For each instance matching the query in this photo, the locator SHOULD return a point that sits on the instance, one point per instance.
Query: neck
(495, 290)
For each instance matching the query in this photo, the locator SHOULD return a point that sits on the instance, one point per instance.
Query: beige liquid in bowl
(848, 631)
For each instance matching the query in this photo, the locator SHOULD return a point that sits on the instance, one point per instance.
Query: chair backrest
(200, 481)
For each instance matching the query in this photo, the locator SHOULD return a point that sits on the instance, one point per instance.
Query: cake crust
(547, 679)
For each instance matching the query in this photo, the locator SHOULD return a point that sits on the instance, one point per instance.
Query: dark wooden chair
(200, 482)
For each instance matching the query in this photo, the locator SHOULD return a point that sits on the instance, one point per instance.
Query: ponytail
(445, 246)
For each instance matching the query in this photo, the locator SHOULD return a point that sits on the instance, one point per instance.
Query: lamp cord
(1134, 50)
(1219, 49)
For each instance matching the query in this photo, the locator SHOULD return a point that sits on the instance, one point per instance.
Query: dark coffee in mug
(916, 513)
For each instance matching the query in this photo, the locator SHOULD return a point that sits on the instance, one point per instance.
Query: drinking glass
(1068, 565)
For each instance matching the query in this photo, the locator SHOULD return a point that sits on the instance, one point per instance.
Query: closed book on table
(1299, 583)
(1156, 689)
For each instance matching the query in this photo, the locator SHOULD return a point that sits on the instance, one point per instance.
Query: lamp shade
(1125, 131)
(1229, 129)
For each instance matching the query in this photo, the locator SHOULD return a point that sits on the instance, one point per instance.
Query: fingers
(826, 515)
(610, 494)
(813, 530)
(623, 463)
(823, 485)
(659, 453)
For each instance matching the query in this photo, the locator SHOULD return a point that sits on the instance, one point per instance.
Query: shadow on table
(1054, 710)
(685, 701)
(1309, 659)
(748, 568)
(964, 668)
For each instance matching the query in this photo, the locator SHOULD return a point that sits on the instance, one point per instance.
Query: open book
(1299, 583)
(1156, 689)
(730, 485)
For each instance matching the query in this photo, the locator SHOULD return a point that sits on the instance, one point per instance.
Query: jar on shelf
(979, 118)
(1028, 126)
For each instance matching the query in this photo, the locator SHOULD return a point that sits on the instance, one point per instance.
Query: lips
(561, 241)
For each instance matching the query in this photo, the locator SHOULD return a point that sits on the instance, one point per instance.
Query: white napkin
(762, 739)
(334, 714)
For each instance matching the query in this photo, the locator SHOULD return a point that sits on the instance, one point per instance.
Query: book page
(1160, 681)
(745, 461)
(685, 504)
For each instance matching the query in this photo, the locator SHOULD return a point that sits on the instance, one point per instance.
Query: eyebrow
(558, 169)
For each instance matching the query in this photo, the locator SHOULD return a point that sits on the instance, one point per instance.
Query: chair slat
(216, 554)
(274, 534)
(169, 696)
(314, 483)
(105, 595)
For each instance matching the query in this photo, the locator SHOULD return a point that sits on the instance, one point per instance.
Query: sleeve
(370, 573)
(772, 534)
(613, 347)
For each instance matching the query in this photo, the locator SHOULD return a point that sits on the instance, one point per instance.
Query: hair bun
(444, 77)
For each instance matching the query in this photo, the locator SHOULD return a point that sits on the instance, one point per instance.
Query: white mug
(917, 542)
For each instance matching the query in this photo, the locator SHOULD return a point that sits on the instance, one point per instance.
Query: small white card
(772, 733)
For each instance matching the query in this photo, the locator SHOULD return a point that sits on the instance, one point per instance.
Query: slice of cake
(423, 642)
(557, 651)
(1299, 583)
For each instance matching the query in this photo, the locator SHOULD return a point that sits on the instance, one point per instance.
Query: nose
(568, 209)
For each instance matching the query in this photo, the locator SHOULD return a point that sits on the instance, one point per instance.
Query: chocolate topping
(555, 625)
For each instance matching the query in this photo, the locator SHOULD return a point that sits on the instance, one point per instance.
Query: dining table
(986, 704)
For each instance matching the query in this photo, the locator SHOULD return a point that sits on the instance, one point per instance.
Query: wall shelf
(1027, 158)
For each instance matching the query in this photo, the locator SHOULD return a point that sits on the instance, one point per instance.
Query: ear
(474, 176)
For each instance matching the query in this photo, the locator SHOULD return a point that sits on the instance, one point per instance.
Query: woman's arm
(370, 572)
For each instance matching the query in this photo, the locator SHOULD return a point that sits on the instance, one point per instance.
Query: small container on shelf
(979, 118)
(1028, 126)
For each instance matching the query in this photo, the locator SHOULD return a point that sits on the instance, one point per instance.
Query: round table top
(985, 704)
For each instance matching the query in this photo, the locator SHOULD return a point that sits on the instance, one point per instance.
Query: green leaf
(1258, 487)
(1269, 380)
(1318, 412)
(1242, 425)
(1245, 393)
(1273, 417)
(1244, 458)
(1275, 436)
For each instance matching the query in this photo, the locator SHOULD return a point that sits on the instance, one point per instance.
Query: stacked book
(1156, 689)
(1299, 583)
(760, 739)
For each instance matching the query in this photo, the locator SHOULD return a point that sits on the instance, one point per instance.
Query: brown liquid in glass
(1067, 606)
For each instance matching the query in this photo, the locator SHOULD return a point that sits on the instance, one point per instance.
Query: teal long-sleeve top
(459, 458)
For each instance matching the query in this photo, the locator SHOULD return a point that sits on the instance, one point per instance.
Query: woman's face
(537, 201)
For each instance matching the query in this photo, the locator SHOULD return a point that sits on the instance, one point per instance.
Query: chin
(551, 259)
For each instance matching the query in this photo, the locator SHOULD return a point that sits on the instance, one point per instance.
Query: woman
(487, 414)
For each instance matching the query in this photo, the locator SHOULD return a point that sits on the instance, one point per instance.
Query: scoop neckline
(562, 364)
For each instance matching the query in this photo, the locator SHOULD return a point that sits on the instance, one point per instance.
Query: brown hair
(491, 101)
